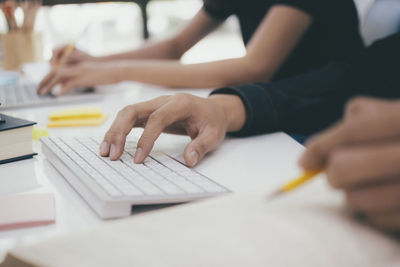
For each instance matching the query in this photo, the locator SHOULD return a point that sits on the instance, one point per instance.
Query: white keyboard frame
(97, 198)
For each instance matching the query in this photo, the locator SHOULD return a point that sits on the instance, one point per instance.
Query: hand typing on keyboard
(206, 121)
(112, 187)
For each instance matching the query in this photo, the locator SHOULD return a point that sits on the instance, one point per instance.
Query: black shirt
(310, 102)
(334, 32)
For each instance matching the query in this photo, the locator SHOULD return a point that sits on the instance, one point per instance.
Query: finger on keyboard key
(161, 178)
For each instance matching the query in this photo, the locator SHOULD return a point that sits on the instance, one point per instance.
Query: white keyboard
(112, 187)
(24, 94)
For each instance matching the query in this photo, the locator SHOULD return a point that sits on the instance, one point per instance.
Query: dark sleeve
(322, 9)
(310, 102)
(220, 9)
(311, 7)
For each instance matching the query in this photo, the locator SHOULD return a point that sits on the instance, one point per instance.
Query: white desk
(239, 164)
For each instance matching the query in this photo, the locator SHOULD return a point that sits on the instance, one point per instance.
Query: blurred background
(103, 28)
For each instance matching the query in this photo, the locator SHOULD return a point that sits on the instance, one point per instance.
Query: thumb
(199, 147)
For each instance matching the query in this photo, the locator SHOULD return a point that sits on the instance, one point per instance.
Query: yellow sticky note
(77, 122)
(76, 113)
(37, 133)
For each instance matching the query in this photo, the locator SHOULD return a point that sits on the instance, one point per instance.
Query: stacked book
(15, 139)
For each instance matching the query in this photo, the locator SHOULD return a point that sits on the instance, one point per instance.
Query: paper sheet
(26, 210)
(307, 228)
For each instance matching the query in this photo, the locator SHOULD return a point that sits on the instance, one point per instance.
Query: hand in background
(361, 156)
(75, 57)
(75, 76)
(206, 121)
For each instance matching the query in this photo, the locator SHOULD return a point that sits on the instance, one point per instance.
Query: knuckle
(112, 134)
(146, 142)
(182, 98)
(315, 148)
(156, 118)
(358, 104)
(355, 127)
(108, 136)
(163, 98)
(185, 102)
(214, 134)
(127, 110)
(337, 170)
(361, 108)
(117, 138)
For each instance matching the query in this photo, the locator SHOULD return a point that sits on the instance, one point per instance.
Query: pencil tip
(274, 195)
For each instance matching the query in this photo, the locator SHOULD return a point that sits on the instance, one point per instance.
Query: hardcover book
(15, 139)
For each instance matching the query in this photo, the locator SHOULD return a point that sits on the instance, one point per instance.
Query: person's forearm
(303, 104)
(174, 74)
(166, 49)
(310, 102)
(173, 47)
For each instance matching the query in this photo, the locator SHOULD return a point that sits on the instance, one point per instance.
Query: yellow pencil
(291, 185)
(68, 50)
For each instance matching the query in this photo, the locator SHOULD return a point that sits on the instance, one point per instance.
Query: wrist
(234, 110)
(116, 71)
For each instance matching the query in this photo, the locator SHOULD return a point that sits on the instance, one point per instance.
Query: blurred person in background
(282, 38)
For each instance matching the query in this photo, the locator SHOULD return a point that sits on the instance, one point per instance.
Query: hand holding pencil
(72, 69)
(61, 56)
(64, 55)
(55, 66)
(63, 59)
(361, 156)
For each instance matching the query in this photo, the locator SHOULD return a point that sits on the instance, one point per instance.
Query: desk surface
(239, 164)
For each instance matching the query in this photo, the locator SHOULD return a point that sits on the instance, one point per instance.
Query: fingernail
(103, 148)
(113, 151)
(194, 157)
(138, 155)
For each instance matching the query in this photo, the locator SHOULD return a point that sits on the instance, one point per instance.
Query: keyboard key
(159, 175)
